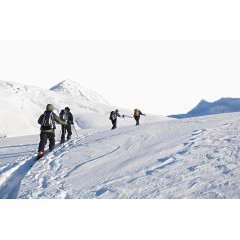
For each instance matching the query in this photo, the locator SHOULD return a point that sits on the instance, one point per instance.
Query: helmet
(67, 108)
(116, 110)
(50, 107)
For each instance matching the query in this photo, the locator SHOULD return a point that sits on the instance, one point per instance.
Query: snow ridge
(74, 89)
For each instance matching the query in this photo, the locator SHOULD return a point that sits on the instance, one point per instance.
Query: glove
(72, 123)
(123, 116)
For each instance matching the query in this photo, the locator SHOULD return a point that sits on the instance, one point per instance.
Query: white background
(195, 69)
(158, 76)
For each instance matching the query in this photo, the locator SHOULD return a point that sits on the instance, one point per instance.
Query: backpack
(136, 113)
(64, 115)
(113, 115)
(48, 120)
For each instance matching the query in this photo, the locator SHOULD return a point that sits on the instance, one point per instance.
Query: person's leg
(114, 122)
(138, 120)
(63, 134)
(69, 131)
(51, 137)
(43, 141)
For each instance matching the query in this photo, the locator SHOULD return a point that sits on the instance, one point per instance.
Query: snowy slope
(223, 105)
(69, 87)
(187, 158)
(21, 106)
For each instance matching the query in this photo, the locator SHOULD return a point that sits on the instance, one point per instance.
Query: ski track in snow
(55, 182)
(197, 161)
(12, 174)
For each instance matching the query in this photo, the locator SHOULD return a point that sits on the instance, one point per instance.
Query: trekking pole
(75, 130)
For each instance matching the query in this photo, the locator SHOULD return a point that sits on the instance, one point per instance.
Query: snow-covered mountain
(223, 105)
(187, 158)
(74, 89)
(21, 106)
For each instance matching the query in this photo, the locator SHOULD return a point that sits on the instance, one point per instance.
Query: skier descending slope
(47, 121)
(136, 115)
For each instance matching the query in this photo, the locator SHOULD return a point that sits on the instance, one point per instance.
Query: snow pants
(114, 123)
(44, 136)
(66, 129)
(137, 118)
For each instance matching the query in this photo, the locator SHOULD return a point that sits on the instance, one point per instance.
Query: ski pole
(75, 130)
(145, 119)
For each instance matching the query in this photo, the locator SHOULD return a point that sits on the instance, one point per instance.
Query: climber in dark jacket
(66, 115)
(113, 118)
(47, 121)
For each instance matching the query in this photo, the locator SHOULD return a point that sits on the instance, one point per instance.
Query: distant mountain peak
(68, 82)
(72, 88)
(203, 101)
(67, 85)
(223, 105)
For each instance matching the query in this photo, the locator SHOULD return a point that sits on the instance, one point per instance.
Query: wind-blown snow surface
(187, 158)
